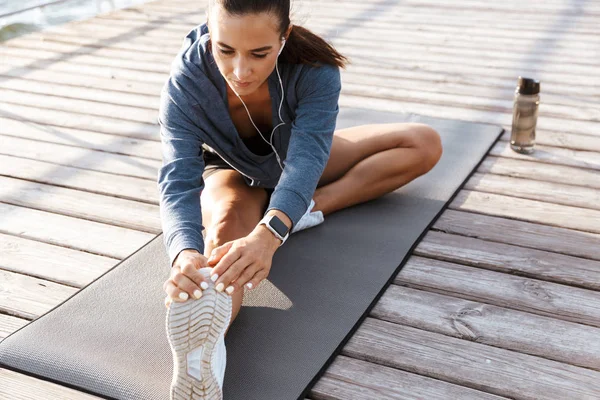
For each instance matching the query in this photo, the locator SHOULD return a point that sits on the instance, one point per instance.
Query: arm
(180, 178)
(310, 143)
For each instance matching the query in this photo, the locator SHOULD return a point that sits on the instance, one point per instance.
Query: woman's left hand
(244, 260)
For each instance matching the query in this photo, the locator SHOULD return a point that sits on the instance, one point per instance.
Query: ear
(287, 33)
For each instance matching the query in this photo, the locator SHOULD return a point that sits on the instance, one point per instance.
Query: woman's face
(245, 48)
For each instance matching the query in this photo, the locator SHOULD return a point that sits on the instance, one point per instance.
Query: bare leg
(369, 161)
(230, 210)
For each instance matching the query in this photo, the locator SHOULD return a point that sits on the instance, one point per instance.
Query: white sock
(309, 219)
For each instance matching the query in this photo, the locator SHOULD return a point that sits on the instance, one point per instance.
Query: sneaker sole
(192, 324)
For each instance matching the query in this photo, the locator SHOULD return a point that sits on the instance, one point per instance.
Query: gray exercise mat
(109, 339)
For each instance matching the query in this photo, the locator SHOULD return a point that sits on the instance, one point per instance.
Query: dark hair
(302, 46)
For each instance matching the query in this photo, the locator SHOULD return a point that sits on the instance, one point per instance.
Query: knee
(229, 221)
(429, 145)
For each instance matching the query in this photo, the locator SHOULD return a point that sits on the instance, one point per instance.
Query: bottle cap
(528, 86)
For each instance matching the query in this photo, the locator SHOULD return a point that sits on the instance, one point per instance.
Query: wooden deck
(501, 299)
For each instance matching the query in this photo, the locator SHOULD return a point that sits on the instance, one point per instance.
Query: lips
(241, 83)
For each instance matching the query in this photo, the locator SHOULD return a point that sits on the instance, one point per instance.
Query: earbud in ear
(282, 44)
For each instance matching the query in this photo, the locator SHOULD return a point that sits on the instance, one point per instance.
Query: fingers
(224, 264)
(174, 292)
(250, 277)
(223, 283)
(258, 277)
(218, 252)
(192, 273)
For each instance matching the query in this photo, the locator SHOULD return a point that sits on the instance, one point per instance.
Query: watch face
(279, 226)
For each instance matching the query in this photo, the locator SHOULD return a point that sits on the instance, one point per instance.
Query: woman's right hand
(185, 280)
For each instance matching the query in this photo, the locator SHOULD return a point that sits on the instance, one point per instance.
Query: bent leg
(369, 161)
(230, 210)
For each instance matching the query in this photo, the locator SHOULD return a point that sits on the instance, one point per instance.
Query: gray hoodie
(194, 117)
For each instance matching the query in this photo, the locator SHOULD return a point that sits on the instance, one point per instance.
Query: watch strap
(266, 220)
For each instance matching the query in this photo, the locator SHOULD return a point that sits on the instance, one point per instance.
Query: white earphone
(282, 44)
(270, 142)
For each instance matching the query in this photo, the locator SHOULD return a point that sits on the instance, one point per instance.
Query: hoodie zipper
(246, 175)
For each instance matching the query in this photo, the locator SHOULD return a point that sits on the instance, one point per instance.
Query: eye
(228, 52)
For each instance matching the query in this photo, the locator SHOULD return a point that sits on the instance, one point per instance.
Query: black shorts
(214, 163)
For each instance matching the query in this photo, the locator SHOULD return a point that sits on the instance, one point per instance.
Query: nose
(242, 69)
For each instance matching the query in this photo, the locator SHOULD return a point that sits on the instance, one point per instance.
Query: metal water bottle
(525, 112)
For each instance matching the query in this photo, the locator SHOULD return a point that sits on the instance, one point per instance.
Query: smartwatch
(276, 225)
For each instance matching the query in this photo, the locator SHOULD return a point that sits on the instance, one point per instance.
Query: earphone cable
(270, 142)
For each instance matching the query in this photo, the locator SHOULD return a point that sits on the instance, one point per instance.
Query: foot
(196, 333)
(309, 219)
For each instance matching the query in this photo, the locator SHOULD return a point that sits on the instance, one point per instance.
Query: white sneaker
(196, 334)
(309, 219)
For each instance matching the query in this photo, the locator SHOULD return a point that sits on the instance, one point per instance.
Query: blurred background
(21, 16)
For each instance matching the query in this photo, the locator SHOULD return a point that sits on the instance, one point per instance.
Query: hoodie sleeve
(310, 142)
(180, 177)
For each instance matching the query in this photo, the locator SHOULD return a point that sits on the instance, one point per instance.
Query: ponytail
(304, 47)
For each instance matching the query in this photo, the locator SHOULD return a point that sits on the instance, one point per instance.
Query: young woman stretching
(250, 152)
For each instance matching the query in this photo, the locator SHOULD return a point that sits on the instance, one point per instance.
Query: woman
(250, 152)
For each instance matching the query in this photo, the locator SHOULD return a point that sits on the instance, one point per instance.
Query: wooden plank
(550, 192)
(369, 9)
(167, 35)
(50, 49)
(125, 187)
(527, 210)
(132, 45)
(17, 386)
(26, 297)
(386, 21)
(340, 15)
(532, 170)
(533, 296)
(520, 233)
(93, 160)
(462, 112)
(470, 364)
(563, 105)
(345, 379)
(479, 322)
(407, 18)
(408, 38)
(459, 84)
(84, 59)
(537, 264)
(52, 263)
(500, 96)
(480, 103)
(73, 233)
(352, 10)
(80, 138)
(480, 94)
(90, 69)
(79, 204)
(94, 123)
(552, 155)
(58, 93)
(549, 72)
(74, 79)
(433, 33)
(561, 139)
(117, 112)
(9, 324)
